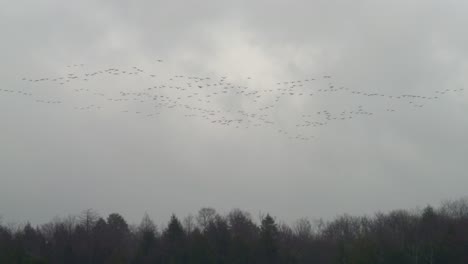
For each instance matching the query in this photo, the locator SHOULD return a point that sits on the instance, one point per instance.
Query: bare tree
(189, 223)
(147, 225)
(205, 216)
(303, 228)
(70, 223)
(88, 219)
(457, 208)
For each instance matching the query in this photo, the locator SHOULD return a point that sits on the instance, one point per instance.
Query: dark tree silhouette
(147, 241)
(429, 236)
(269, 240)
(174, 241)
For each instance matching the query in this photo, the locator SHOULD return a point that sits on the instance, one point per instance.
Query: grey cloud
(55, 161)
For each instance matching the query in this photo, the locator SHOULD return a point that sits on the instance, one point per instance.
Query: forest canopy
(428, 235)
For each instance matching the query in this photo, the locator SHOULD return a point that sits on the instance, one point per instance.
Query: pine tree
(269, 240)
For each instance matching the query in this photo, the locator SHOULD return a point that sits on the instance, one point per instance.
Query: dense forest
(428, 235)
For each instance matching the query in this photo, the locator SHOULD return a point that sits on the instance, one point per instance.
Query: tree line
(430, 235)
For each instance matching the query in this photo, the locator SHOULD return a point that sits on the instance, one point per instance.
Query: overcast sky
(56, 160)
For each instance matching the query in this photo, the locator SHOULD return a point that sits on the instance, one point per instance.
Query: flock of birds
(219, 100)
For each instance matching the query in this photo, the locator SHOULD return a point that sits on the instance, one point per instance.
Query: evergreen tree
(174, 241)
(269, 240)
